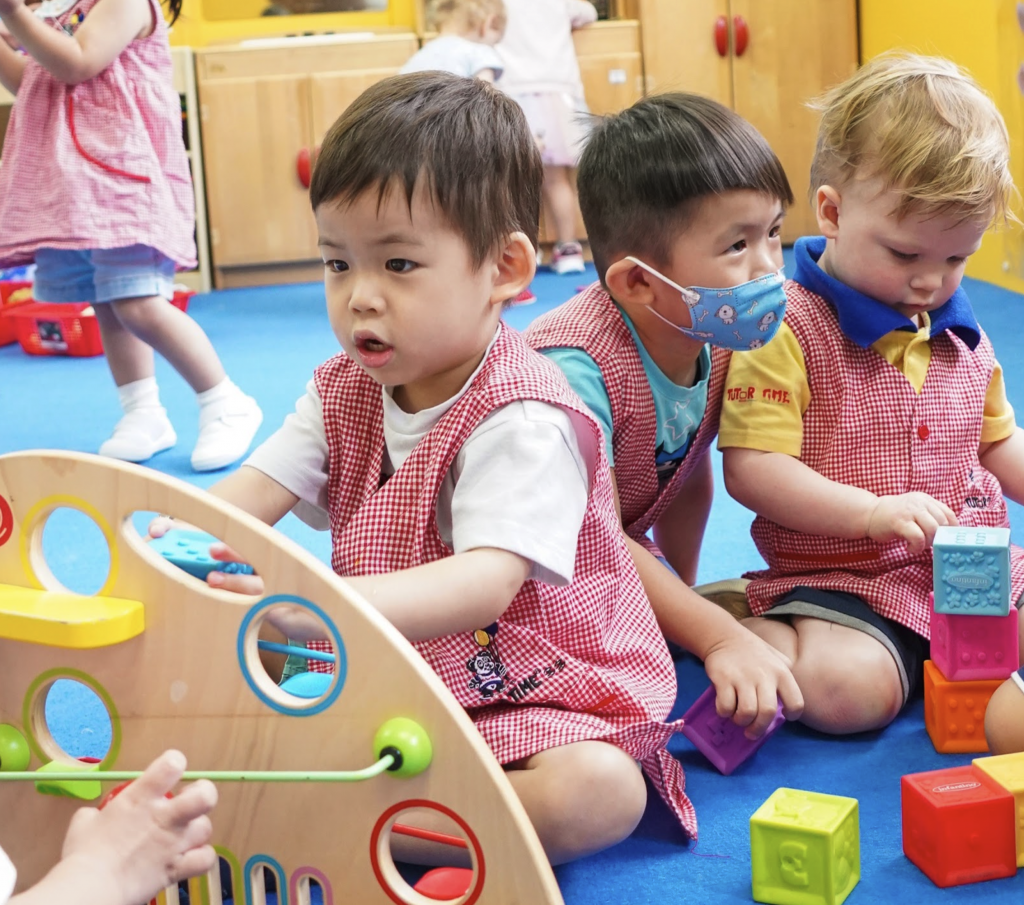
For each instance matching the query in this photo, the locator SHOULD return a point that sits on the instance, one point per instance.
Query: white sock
(223, 390)
(139, 394)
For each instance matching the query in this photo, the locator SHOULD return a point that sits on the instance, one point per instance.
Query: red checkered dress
(101, 164)
(563, 664)
(866, 426)
(593, 323)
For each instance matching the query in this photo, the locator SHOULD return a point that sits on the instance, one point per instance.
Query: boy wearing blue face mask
(678, 194)
(879, 413)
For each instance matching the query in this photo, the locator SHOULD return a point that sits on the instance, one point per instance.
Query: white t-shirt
(520, 482)
(8, 876)
(460, 56)
(537, 47)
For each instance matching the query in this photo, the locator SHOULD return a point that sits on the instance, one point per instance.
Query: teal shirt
(679, 410)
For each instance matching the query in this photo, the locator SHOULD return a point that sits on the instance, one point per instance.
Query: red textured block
(958, 826)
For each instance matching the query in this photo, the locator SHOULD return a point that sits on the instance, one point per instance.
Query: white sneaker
(140, 435)
(226, 429)
(568, 258)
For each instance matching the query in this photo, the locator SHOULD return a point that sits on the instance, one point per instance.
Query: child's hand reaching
(225, 581)
(750, 678)
(912, 517)
(140, 843)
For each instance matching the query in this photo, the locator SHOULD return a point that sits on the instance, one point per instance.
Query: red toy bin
(12, 292)
(64, 328)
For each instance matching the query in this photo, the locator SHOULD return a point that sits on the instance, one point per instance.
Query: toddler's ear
(514, 268)
(629, 284)
(827, 201)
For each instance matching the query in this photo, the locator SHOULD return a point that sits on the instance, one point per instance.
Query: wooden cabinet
(764, 58)
(989, 43)
(261, 108)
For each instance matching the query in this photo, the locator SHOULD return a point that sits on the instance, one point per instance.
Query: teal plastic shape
(805, 848)
(971, 571)
(84, 789)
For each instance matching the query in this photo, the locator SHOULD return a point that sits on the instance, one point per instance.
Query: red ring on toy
(474, 843)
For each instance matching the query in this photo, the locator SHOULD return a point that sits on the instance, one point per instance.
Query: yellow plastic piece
(1008, 771)
(63, 619)
(805, 848)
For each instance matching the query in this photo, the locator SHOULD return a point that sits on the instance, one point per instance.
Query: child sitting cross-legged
(879, 413)
(678, 194)
(464, 483)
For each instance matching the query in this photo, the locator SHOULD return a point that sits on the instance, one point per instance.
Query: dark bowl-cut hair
(644, 172)
(467, 140)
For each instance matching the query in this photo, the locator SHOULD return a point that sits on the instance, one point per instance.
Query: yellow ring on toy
(42, 510)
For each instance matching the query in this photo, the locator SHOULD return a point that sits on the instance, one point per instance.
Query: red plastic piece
(722, 36)
(740, 35)
(923, 432)
(445, 883)
(63, 329)
(954, 712)
(958, 826)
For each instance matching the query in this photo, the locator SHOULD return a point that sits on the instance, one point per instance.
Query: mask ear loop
(689, 296)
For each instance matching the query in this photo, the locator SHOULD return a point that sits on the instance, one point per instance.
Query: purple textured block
(721, 741)
(975, 647)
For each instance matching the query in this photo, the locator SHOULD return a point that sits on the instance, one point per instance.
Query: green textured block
(83, 789)
(805, 848)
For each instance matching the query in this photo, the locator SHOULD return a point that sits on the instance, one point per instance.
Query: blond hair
(923, 127)
(470, 14)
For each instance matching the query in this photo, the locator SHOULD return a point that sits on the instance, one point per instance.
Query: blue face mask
(741, 318)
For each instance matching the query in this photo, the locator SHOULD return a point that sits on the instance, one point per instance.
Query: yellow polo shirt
(773, 421)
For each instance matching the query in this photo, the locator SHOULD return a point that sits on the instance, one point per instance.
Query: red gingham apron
(866, 427)
(563, 664)
(591, 322)
(101, 164)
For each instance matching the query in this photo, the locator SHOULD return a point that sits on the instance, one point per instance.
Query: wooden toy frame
(179, 683)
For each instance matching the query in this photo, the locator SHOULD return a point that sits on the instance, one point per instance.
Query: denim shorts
(102, 274)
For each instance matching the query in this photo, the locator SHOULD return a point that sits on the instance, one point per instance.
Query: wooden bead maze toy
(176, 663)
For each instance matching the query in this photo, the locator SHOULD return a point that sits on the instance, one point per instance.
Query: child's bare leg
(174, 335)
(228, 418)
(128, 357)
(849, 680)
(1004, 719)
(581, 798)
(561, 202)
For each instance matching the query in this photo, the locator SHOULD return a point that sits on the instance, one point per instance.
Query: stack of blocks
(974, 644)
(966, 824)
(805, 848)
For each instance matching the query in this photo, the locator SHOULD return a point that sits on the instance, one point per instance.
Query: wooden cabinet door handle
(304, 166)
(722, 36)
(740, 35)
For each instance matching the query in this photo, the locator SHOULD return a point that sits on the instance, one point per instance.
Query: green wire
(215, 775)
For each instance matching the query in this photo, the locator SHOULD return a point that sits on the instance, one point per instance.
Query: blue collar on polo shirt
(865, 320)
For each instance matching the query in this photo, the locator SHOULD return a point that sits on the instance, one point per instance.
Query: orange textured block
(958, 826)
(954, 712)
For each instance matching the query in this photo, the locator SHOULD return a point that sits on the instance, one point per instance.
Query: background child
(676, 191)
(95, 187)
(879, 413)
(139, 844)
(464, 483)
(543, 75)
(467, 31)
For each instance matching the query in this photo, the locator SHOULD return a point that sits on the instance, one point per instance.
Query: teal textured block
(972, 571)
(804, 848)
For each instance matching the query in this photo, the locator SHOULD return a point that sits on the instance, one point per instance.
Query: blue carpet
(270, 339)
